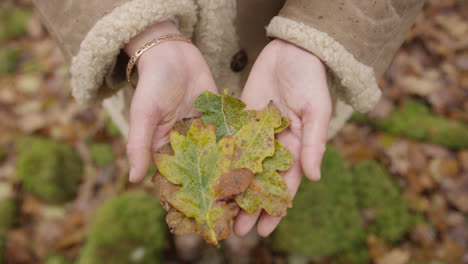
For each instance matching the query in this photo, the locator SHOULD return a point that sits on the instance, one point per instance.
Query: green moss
(375, 189)
(325, 219)
(49, 169)
(101, 154)
(112, 129)
(3, 154)
(127, 229)
(8, 211)
(13, 22)
(2, 248)
(358, 255)
(57, 259)
(8, 60)
(416, 121)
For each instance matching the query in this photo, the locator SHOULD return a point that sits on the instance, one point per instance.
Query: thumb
(144, 118)
(314, 138)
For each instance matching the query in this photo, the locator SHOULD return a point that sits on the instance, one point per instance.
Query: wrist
(152, 32)
(291, 50)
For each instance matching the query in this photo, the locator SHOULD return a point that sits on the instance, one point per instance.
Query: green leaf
(256, 140)
(284, 125)
(199, 181)
(224, 111)
(268, 190)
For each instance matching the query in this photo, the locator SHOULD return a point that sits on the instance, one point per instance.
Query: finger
(144, 117)
(314, 139)
(244, 223)
(267, 223)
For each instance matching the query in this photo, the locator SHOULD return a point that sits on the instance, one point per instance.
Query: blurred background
(394, 190)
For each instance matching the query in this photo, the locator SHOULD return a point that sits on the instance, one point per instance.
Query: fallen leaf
(437, 212)
(463, 159)
(253, 133)
(179, 223)
(454, 24)
(423, 86)
(198, 169)
(424, 235)
(396, 256)
(398, 154)
(449, 168)
(268, 190)
(224, 111)
(29, 84)
(462, 62)
(256, 140)
(283, 126)
(450, 251)
(377, 247)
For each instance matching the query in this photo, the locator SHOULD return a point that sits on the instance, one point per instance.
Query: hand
(171, 76)
(296, 82)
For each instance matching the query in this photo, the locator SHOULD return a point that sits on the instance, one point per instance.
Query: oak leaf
(283, 126)
(256, 140)
(225, 112)
(199, 182)
(268, 190)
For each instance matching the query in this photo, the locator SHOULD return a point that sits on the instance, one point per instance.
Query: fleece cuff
(354, 82)
(102, 45)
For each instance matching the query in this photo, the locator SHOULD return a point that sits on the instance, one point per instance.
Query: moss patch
(101, 154)
(49, 169)
(57, 259)
(415, 120)
(8, 60)
(112, 129)
(127, 229)
(376, 190)
(325, 219)
(358, 255)
(8, 211)
(13, 22)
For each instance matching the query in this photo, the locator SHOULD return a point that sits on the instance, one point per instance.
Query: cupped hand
(295, 80)
(171, 76)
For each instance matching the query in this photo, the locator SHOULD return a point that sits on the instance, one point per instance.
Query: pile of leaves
(227, 158)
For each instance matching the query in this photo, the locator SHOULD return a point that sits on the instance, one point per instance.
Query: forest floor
(425, 151)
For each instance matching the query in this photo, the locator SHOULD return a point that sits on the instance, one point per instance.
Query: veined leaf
(268, 190)
(199, 182)
(255, 140)
(284, 125)
(224, 111)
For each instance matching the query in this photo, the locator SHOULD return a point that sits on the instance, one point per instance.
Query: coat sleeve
(356, 39)
(91, 34)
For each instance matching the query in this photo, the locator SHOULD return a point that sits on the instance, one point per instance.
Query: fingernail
(132, 176)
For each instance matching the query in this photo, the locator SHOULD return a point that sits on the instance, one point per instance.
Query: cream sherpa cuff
(103, 43)
(355, 83)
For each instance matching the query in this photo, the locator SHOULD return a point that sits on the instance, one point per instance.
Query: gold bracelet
(147, 46)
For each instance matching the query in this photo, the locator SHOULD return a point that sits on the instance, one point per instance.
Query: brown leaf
(233, 182)
(463, 159)
(178, 223)
(455, 191)
(449, 168)
(396, 256)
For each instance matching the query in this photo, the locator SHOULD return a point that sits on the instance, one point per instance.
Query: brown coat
(356, 39)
